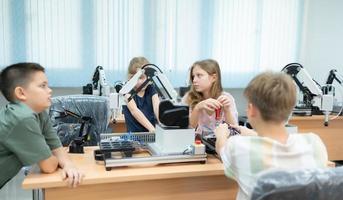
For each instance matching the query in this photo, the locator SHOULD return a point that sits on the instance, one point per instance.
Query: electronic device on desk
(174, 141)
(126, 147)
(172, 134)
(139, 145)
(209, 139)
(77, 144)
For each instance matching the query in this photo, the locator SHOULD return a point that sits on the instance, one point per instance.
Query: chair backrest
(68, 127)
(314, 184)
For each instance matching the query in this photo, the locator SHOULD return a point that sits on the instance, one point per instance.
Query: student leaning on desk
(271, 98)
(26, 133)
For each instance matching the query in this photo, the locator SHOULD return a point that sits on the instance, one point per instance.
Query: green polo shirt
(25, 139)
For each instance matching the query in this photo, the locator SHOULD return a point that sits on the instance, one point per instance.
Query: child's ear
(252, 111)
(214, 78)
(248, 110)
(19, 93)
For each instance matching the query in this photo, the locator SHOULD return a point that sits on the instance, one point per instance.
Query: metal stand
(38, 194)
(155, 157)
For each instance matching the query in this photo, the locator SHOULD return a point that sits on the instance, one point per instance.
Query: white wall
(322, 48)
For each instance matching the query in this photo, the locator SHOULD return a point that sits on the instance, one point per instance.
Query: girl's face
(202, 81)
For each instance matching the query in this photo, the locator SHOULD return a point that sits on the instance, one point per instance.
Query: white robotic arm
(128, 87)
(154, 76)
(100, 85)
(333, 75)
(303, 79)
(311, 89)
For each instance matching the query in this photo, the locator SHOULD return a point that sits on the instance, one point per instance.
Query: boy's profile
(26, 133)
(271, 98)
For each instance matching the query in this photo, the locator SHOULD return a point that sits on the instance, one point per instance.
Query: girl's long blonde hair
(211, 67)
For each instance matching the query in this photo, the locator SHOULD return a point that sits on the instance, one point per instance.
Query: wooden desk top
(121, 119)
(96, 173)
(331, 135)
(314, 117)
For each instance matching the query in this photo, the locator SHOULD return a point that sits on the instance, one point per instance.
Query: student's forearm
(156, 114)
(220, 142)
(62, 156)
(194, 117)
(48, 165)
(156, 104)
(230, 119)
(69, 172)
(140, 117)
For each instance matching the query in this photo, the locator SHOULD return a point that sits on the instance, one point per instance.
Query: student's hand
(245, 131)
(210, 105)
(331, 164)
(222, 131)
(225, 101)
(72, 175)
(151, 130)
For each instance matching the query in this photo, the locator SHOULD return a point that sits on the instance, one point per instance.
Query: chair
(84, 106)
(313, 184)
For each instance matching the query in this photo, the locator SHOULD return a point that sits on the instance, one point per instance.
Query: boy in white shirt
(271, 98)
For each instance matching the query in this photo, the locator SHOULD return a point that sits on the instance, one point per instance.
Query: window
(71, 38)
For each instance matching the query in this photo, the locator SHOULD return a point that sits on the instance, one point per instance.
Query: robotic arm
(100, 85)
(333, 75)
(170, 115)
(154, 76)
(313, 94)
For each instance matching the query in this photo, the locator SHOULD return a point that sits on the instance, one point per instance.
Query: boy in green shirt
(26, 133)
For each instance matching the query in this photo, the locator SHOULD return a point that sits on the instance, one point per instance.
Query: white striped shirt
(245, 156)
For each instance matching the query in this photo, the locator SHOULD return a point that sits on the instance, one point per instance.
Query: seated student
(206, 95)
(271, 98)
(26, 133)
(141, 113)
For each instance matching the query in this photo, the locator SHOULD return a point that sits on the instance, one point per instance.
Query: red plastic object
(218, 114)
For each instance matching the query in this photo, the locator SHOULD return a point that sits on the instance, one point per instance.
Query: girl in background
(141, 113)
(206, 96)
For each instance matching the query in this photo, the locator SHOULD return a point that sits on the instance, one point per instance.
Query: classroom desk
(170, 181)
(119, 125)
(331, 135)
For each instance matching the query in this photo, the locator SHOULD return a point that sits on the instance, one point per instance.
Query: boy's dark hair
(17, 75)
